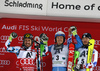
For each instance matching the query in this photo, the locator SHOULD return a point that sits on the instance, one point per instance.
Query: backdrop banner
(10, 62)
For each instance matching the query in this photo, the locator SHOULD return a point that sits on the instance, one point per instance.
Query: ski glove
(74, 30)
(12, 35)
(43, 38)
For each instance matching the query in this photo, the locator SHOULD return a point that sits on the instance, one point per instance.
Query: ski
(70, 57)
(76, 55)
(37, 46)
(90, 51)
(41, 47)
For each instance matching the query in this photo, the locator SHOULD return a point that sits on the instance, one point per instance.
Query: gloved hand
(43, 38)
(12, 35)
(77, 67)
(74, 30)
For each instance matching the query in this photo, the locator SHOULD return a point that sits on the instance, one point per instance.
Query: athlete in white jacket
(82, 60)
(22, 52)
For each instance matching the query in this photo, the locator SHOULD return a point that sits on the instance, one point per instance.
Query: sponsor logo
(20, 38)
(97, 42)
(27, 61)
(4, 62)
(14, 27)
(4, 37)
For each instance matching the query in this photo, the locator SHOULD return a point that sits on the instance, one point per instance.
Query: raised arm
(73, 30)
(8, 42)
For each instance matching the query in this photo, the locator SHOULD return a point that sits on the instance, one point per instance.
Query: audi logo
(20, 38)
(4, 37)
(27, 61)
(97, 42)
(4, 62)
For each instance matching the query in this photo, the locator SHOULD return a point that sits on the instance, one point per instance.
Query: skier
(59, 51)
(22, 52)
(82, 60)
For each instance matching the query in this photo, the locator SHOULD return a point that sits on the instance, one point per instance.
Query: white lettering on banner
(4, 62)
(28, 68)
(14, 27)
(97, 42)
(23, 5)
(24, 27)
(45, 28)
(35, 28)
(3, 41)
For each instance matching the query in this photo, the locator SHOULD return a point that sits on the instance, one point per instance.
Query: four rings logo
(20, 38)
(4, 62)
(97, 42)
(5, 37)
(27, 61)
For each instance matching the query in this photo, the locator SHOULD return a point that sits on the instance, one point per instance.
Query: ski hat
(88, 35)
(60, 33)
(28, 35)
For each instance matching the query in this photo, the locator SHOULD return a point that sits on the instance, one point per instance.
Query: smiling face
(60, 40)
(27, 42)
(85, 40)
